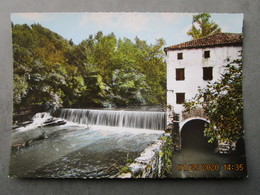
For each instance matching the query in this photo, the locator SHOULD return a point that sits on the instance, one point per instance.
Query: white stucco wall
(193, 63)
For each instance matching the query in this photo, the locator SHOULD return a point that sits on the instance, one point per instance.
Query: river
(82, 150)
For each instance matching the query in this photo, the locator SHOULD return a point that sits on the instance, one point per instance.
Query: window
(206, 54)
(179, 56)
(180, 98)
(207, 73)
(180, 74)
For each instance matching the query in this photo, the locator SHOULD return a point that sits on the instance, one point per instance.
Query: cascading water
(97, 149)
(133, 119)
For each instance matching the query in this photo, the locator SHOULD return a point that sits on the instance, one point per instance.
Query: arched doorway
(192, 136)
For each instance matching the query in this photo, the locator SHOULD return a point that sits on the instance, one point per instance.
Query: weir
(119, 118)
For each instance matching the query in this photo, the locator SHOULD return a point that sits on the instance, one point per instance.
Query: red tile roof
(215, 40)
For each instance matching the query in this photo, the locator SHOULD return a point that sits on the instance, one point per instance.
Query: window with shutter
(179, 56)
(207, 73)
(180, 98)
(180, 74)
(206, 54)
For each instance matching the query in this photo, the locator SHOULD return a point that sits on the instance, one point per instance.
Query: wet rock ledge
(149, 164)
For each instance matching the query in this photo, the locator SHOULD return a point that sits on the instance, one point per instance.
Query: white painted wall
(193, 62)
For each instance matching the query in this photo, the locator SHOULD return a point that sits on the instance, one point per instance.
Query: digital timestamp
(210, 167)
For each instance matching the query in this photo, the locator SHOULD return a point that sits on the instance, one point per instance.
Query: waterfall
(133, 119)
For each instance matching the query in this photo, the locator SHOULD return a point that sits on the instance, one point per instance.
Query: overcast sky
(172, 27)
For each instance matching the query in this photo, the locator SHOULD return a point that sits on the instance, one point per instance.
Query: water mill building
(193, 64)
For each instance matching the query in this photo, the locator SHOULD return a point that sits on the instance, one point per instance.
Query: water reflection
(197, 152)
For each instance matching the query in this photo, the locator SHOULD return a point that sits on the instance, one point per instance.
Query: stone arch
(182, 123)
(192, 135)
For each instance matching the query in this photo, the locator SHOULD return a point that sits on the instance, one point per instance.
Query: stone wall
(198, 112)
(149, 164)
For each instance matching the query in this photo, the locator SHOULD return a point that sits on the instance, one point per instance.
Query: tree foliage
(100, 71)
(223, 104)
(202, 26)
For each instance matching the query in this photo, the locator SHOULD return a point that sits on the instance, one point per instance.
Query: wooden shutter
(179, 56)
(207, 73)
(180, 98)
(180, 74)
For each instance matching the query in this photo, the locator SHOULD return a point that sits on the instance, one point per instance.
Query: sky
(172, 27)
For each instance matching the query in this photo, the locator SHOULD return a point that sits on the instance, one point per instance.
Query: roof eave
(204, 46)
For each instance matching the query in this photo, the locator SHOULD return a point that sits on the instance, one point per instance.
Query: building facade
(193, 64)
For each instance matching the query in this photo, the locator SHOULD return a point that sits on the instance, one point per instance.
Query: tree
(223, 104)
(39, 66)
(204, 26)
(152, 56)
(101, 71)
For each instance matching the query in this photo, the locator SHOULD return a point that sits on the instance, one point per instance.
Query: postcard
(127, 95)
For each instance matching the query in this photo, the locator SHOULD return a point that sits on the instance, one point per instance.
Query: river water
(197, 158)
(87, 150)
(188, 158)
(77, 150)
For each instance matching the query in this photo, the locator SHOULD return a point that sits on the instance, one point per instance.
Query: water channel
(198, 159)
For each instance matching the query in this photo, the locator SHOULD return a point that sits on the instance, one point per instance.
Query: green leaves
(201, 26)
(223, 104)
(100, 71)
